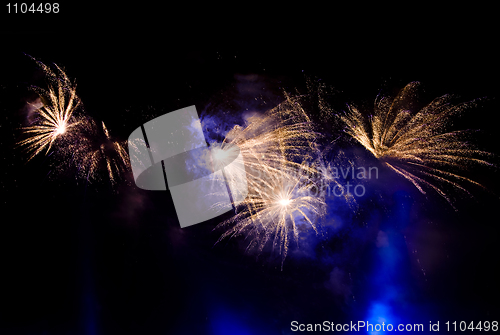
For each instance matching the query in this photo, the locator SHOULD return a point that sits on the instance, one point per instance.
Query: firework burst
(59, 123)
(56, 118)
(417, 145)
(279, 153)
(276, 206)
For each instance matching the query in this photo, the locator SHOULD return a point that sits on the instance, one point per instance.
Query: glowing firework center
(171, 150)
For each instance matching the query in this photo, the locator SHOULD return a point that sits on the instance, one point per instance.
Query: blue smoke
(226, 322)
(391, 285)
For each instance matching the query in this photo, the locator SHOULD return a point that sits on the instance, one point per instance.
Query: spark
(61, 129)
(417, 146)
(285, 201)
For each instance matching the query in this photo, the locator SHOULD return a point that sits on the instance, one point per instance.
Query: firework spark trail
(280, 159)
(417, 145)
(101, 153)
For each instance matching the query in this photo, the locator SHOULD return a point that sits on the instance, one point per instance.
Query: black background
(87, 259)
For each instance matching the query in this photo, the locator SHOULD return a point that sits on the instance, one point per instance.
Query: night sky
(92, 258)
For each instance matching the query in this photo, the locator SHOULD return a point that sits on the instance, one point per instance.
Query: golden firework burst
(417, 145)
(280, 159)
(55, 118)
